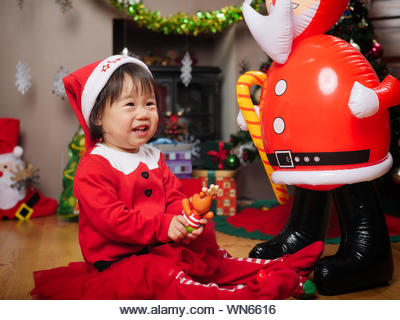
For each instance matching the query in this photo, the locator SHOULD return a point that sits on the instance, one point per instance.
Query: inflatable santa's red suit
(325, 127)
(18, 199)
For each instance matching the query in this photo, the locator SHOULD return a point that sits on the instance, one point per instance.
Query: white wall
(44, 38)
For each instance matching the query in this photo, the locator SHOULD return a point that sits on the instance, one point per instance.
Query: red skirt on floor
(199, 270)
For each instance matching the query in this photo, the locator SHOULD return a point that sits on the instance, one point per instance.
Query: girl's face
(131, 120)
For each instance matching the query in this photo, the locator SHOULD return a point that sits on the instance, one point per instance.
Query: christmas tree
(68, 205)
(355, 28)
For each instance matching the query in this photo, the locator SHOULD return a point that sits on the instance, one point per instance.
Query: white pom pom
(18, 151)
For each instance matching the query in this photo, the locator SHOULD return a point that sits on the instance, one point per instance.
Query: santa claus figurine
(18, 198)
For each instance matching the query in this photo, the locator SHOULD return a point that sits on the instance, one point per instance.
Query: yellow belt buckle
(21, 217)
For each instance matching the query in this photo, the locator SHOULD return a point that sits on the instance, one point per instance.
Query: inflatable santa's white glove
(363, 101)
(240, 119)
(241, 122)
(274, 32)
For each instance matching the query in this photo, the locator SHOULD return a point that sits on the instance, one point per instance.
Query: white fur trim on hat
(98, 79)
(333, 177)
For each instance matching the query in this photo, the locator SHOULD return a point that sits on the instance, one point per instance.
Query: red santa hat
(9, 134)
(84, 85)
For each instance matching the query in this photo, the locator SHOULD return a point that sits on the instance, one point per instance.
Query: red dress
(126, 204)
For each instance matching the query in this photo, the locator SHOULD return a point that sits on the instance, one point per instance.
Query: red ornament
(245, 156)
(377, 50)
(175, 129)
(265, 69)
(173, 118)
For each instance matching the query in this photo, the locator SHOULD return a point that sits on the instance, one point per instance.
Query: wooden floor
(48, 242)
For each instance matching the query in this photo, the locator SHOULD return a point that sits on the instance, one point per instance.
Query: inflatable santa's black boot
(307, 223)
(364, 257)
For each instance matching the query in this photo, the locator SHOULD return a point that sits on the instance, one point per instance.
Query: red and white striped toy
(201, 203)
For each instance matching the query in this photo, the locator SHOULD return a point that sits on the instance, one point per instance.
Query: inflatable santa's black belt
(287, 159)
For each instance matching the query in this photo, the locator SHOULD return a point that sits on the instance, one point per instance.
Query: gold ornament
(355, 44)
(396, 175)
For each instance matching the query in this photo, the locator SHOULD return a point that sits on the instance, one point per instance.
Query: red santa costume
(22, 202)
(127, 201)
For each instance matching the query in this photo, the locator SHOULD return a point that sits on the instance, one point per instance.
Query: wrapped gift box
(178, 158)
(225, 203)
(215, 154)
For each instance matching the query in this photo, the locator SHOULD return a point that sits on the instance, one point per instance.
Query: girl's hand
(197, 233)
(177, 228)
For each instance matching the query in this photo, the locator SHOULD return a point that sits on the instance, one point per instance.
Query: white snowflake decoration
(186, 69)
(58, 85)
(196, 146)
(24, 77)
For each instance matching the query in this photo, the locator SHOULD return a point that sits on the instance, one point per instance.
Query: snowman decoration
(323, 126)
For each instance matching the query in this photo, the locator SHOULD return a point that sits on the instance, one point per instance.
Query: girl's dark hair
(142, 81)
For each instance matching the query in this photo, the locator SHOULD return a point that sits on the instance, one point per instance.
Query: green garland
(207, 22)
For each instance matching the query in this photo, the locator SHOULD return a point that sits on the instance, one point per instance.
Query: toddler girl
(132, 233)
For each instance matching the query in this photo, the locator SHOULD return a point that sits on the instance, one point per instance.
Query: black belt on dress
(287, 159)
(102, 264)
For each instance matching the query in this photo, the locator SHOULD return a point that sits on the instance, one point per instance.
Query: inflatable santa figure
(17, 198)
(322, 126)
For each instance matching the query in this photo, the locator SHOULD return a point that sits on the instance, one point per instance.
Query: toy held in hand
(201, 203)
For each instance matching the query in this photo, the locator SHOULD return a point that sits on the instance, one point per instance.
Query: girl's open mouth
(141, 130)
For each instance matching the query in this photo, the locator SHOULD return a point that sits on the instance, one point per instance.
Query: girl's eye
(130, 104)
(150, 104)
